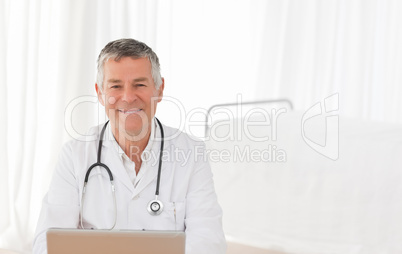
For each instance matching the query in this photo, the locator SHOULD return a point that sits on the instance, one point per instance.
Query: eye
(140, 85)
(115, 86)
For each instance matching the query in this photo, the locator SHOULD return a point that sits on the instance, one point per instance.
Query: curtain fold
(4, 185)
(346, 47)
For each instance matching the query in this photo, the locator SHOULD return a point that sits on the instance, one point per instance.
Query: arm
(203, 221)
(60, 206)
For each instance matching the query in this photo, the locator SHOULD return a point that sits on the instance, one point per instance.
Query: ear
(101, 96)
(160, 90)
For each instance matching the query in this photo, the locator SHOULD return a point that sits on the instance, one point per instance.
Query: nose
(129, 95)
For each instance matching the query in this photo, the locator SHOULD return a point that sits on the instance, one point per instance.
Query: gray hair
(128, 48)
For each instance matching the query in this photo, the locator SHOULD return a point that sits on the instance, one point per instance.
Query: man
(130, 86)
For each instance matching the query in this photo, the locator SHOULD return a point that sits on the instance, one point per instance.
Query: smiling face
(129, 95)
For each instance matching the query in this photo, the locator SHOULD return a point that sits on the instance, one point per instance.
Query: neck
(132, 145)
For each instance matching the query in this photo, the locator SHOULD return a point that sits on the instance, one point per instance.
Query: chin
(135, 127)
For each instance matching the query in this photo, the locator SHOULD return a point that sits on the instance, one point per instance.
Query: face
(129, 95)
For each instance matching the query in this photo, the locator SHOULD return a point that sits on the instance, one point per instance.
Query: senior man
(129, 86)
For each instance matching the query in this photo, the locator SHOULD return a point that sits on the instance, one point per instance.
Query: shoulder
(77, 153)
(89, 138)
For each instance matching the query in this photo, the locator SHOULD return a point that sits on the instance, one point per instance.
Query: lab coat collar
(147, 150)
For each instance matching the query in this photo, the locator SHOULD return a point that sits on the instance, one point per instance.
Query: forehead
(128, 66)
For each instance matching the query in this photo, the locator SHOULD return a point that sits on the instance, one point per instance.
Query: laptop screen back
(77, 241)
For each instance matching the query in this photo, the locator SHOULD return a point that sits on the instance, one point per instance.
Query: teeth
(130, 111)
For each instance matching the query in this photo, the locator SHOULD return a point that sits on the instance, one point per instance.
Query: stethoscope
(154, 207)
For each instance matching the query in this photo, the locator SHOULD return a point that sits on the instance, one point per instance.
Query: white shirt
(186, 191)
(129, 165)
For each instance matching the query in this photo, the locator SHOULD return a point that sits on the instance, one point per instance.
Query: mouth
(129, 111)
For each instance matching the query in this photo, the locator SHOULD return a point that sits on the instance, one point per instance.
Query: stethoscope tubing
(98, 163)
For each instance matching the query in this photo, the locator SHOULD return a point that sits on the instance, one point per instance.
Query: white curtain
(210, 52)
(312, 49)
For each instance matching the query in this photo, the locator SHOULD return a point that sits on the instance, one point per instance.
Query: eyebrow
(114, 81)
(140, 79)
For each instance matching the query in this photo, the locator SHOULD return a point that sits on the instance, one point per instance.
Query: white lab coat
(186, 190)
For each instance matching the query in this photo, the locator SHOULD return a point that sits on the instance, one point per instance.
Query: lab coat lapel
(149, 176)
(152, 164)
(111, 158)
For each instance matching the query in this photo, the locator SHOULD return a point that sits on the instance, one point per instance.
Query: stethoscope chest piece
(155, 207)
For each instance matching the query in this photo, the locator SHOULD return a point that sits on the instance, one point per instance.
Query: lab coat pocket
(175, 213)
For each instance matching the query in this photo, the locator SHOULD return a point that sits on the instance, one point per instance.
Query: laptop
(84, 241)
